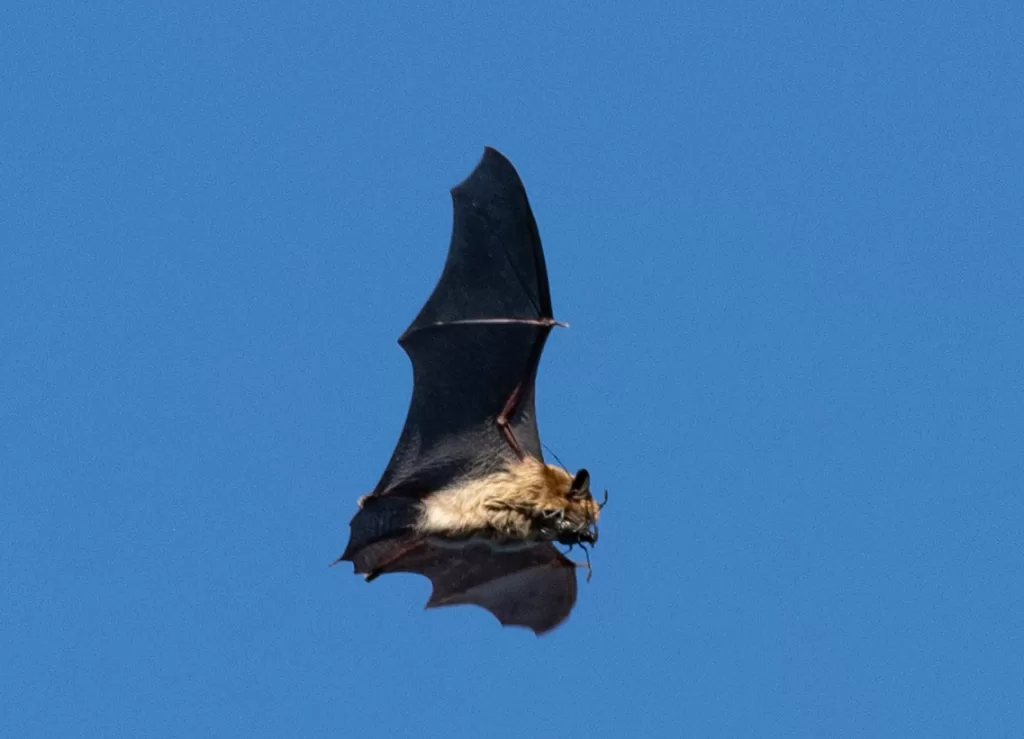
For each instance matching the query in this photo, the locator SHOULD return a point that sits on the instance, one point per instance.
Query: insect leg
(590, 569)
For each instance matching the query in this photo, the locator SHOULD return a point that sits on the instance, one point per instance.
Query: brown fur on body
(522, 504)
(516, 503)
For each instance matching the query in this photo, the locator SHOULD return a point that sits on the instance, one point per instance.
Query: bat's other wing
(532, 586)
(477, 340)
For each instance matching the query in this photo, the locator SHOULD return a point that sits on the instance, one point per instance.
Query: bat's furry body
(515, 503)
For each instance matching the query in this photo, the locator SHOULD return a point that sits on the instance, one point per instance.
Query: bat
(467, 499)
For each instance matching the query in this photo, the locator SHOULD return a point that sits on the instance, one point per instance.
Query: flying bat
(467, 499)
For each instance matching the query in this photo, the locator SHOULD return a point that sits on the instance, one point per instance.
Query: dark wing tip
(494, 172)
(492, 154)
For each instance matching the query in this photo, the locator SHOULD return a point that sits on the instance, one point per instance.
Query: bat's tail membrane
(378, 528)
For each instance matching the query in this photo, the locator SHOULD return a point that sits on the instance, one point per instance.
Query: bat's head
(578, 525)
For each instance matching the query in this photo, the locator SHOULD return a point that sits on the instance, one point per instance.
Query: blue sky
(788, 239)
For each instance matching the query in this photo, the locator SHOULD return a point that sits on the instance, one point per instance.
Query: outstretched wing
(477, 340)
(533, 586)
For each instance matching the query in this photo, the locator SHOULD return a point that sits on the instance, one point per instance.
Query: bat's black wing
(532, 586)
(477, 341)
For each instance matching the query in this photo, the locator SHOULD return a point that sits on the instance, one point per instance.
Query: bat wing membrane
(477, 340)
(532, 586)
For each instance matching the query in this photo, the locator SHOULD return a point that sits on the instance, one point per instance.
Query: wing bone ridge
(545, 322)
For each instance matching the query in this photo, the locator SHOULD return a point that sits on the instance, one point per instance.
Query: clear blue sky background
(788, 240)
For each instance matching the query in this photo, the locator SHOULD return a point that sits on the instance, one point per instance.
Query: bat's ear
(580, 483)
